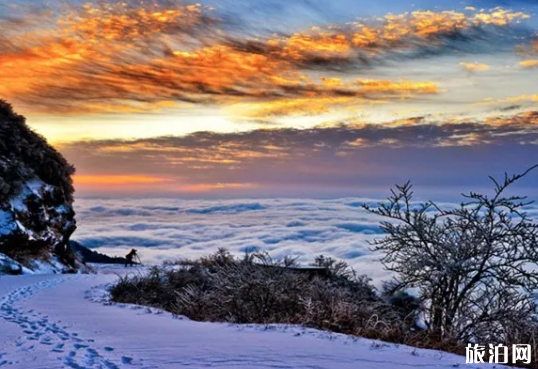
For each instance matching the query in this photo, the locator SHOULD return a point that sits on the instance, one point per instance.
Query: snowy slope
(51, 265)
(62, 321)
(10, 266)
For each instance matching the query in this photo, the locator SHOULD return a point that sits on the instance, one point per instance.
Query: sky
(298, 98)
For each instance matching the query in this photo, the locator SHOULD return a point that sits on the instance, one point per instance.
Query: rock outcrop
(36, 197)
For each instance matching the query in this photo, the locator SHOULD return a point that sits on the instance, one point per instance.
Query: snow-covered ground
(65, 321)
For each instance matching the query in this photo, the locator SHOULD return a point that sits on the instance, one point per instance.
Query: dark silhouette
(89, 256)
(130, 258)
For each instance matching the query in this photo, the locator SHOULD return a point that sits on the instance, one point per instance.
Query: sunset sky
(240, 98)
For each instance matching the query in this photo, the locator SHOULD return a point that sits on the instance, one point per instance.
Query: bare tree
(473, 265)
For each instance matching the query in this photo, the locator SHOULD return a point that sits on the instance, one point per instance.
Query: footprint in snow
(38, 327)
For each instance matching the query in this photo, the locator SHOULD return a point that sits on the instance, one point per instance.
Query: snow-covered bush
(257, 289)
(474, 266)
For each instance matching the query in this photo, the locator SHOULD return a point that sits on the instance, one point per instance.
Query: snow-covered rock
(36, 195)
(10, 266)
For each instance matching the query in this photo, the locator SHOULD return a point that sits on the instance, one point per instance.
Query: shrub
(473, 265)
(470, 263)
(258, 289)
(25, 154)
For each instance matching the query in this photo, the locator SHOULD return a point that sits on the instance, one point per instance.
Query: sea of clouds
(173, 228)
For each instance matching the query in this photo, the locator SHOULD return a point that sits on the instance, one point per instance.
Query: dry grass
(256, 289)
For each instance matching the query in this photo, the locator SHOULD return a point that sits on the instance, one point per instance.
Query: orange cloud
(528, 50)
(108, 180)
(528, 118)
(365, 92)
(520, 98)
(293, 107)
(398, 87)
(475, 67)
(529, 63)
(508, 100)
(126, 183)
(219, 162)
(131, 57)
(400, 30)
(228, 155)
(121, 21)
(204, 187)
(498, 17)
(67, 58)
(319, 43)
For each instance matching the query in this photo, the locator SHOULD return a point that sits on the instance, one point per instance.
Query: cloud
(475, 67)
(108, 180)
(132, 24)
(510, 100)
(134, 56)
(359, 93)
(228, 209)
(530, 53)
(528, 49)
(529, 63)
(338, 157)
(176, 228)
(389, 35)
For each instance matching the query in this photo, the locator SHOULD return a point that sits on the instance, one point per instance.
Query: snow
(13, 221)
(66, 321)
(18, 202)
(6, 223)
(51, 266)
(8, 264)
(62, 209)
